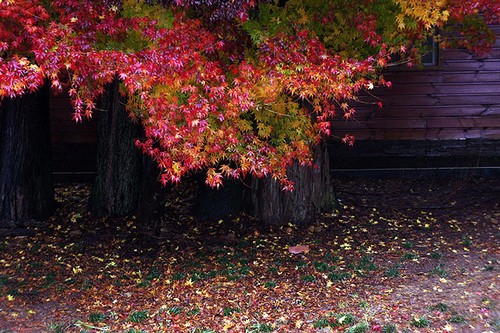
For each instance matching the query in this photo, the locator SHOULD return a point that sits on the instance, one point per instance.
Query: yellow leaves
(400, 21)
(303, 18)
(10, 298)
(346, 246)
(448, 327)
(429, 13)
(438, 289)
(264, 131)
(227, 326)
(77, 270)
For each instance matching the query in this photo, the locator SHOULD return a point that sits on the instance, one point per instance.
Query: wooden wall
(73, 144)
(458, 99)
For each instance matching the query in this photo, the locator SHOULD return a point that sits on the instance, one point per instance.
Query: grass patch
(87, 284)
(193, 312)
(361, 327)
(178, 276)
(308, 278)
(366, 264)
(331, 257)
(199, 276)
(270, 284)
(408, 245)
(495, 323)
(301, 264)
(3, 280)
(96, 317)
(175, 310)
(392, 272)
(439, 271)
(409, 256)
(436, 255)
(259, 328)
(457, 319)
(343, 319)
(466, 241)
(322, 266)
(420, 322)
(57, 328)
(389, 328)
(49, 280)
(339, 276)
(153, 274)
(441, 307)
(230, 311)
(137, 316)
(321, 323)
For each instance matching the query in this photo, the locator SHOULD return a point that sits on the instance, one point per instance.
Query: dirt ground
(396, 255)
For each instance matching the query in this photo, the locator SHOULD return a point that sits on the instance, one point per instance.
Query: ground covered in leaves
(395, 256)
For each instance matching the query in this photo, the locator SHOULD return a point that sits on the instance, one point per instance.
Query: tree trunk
(153, 196)
(312, 194)
(26, 193)
(117, 185)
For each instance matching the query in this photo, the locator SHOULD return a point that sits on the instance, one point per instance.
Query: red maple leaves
(207, 96)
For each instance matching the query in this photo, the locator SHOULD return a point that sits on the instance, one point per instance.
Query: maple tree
(238, 88)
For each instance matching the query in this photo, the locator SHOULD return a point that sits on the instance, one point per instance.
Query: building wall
(458, 99)
(73, 144)
(433, 116)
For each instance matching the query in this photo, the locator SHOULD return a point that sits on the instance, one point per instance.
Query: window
(431, 58)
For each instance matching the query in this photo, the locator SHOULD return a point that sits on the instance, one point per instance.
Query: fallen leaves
(298, 249)
(207, 283)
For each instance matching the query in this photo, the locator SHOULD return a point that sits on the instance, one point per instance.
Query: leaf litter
(395, 256)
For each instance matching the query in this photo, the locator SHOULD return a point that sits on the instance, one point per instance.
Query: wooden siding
(73, 144)
(459, 99)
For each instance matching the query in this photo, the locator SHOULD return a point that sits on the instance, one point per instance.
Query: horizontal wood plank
(409, 112)
(73, 137)
(421, 134)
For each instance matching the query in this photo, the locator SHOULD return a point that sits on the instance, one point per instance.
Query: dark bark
(312, 195)
(117, 185)
(26, 193)
(153, 196)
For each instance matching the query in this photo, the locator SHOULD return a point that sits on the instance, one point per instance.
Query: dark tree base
(26, 191)
(17, 232)
(313, 193)
(153, 197)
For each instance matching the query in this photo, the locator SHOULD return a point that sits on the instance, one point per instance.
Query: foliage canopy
(236, 87)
